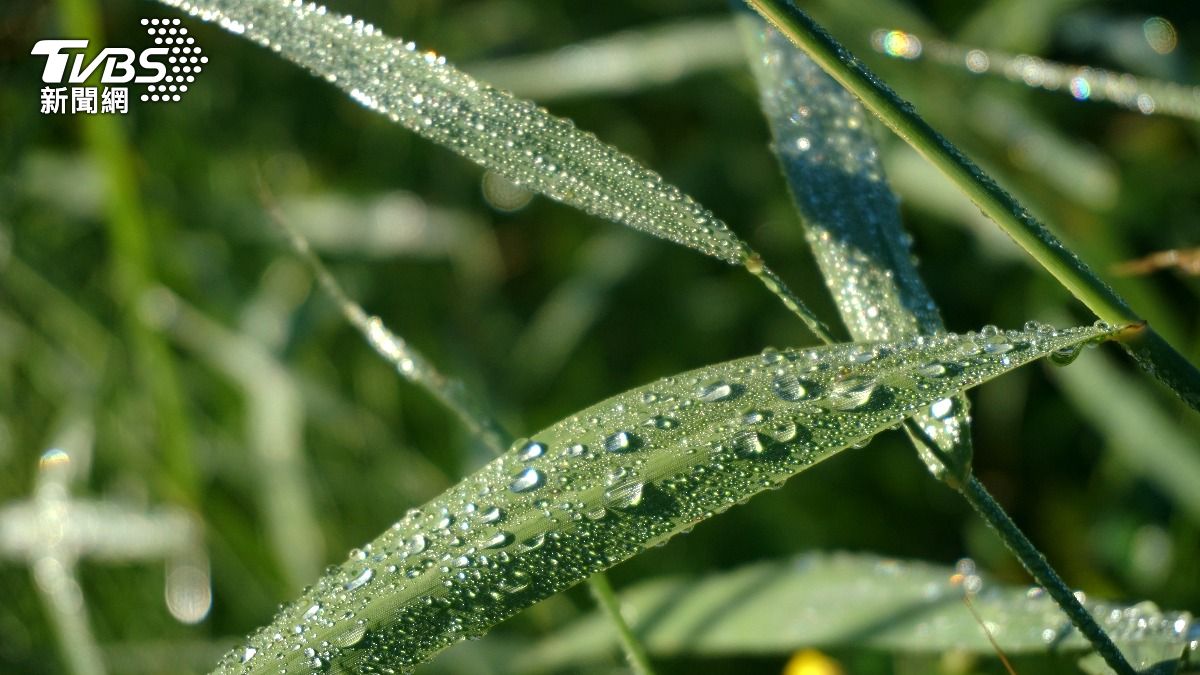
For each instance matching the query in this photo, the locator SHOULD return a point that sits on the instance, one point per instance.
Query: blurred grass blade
(852, 218)
(615, 64)
(1145, 438)
(826, 600)
(612, 480)
(511, 136)
(1083, 83)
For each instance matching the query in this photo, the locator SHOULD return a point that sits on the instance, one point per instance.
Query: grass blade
(1151, 352)
(851, 216)
(1083, 83)
(830, 600)
(511, 136)
(612, 480)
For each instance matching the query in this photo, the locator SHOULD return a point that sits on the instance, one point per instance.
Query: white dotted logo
(185, 61)
(167, 70)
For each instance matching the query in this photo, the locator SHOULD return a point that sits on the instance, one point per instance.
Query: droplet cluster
(850, 214)
(610, 481)
(510, 136)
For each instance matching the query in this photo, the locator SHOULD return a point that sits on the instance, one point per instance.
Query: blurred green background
(155, 326)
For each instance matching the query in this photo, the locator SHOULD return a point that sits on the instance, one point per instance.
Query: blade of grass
(846, 600)
(851, 217)
(1083, 83)
(1152, 353)
(610, 481)
(133, 271)
(510, 136)
(414, 367)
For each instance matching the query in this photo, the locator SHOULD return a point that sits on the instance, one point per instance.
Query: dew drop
(715, 391)
(942, 408)
(621, 441)
(932, 369)
(491, 515)
(500, 539)
(248, 654)
(624, 495)
(360, 580)
(662, 422)
(851, 393)
(528, 480)
(789, 388)
(529, 450)
(575, 450)
(750, 444)
(417, 544)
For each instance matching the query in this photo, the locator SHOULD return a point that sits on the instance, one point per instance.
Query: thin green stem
(450, 392)
(1037, 566)
(602, 590)
(1152, 353)
(1031, 558)
(131, 258)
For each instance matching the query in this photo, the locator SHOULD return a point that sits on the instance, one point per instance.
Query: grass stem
(602, 590)
(1152, 353)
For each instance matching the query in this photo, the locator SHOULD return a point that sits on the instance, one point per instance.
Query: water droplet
(851, 393)
(534, 542)
(528, 480)
(499, 540)
(248, 654)
(491, 515)
(621, 441)
(771, 356)
(624, 495)
(942, 408)
(1064, 356)
(360, 580)
(417, 544)
(715, 391)
(750, 444)
(755, 416)
(445, 521)
(575, 450)
(786, 431)
(529, 450)
(789, 388)
(662, 422)
(932, 369)
(357, 554)
(311, 612)
(997, 347)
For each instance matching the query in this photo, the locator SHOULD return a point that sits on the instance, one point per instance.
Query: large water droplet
(942, 408)
(491, 515)
(528, 480)
(662, 422)
(932, 369)
(248, 654)
(750, 444)
(789, 388)
(621, 441)
(575, 450)
(851, 393)
(528, 450)
(360, 580)
(715, 391)
(499, 540)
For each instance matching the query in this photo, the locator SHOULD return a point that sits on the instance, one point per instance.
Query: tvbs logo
(166, 70)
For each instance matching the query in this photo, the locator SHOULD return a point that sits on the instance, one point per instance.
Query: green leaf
(511, 136)
(612, 480)
(822, 139)
(831, 600)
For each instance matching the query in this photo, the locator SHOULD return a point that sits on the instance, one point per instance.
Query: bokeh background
(223, 421)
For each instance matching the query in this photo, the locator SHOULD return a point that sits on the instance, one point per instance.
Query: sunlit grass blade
(826, 600)
(1148, 348)
(851, 216)
(508, 135)
(414, 367)
(613, 479)
(1083, 83)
